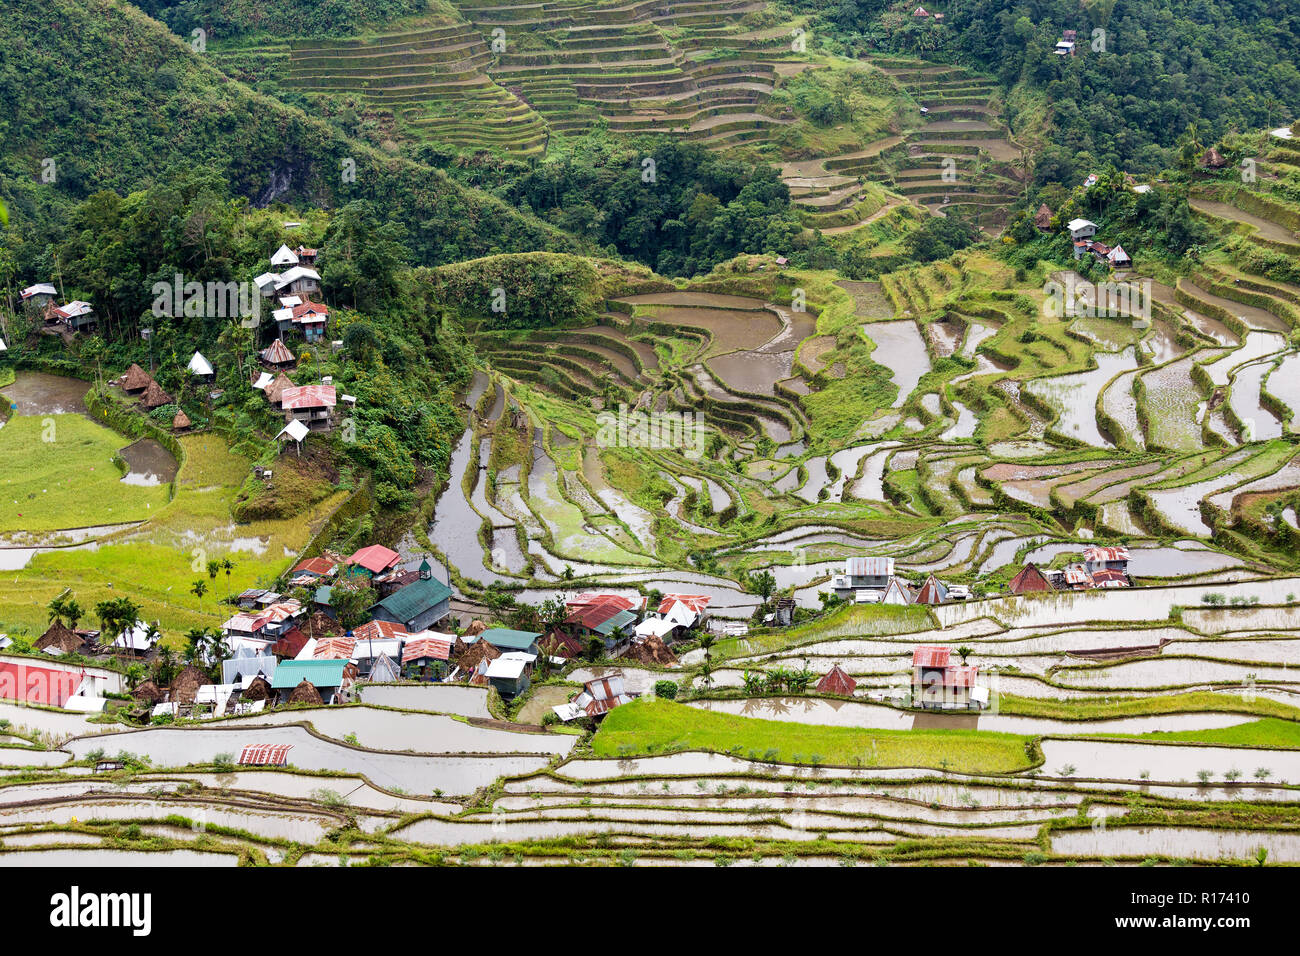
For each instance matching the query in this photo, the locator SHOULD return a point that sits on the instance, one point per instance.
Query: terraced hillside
(956, 155)
(943, 416)
(508, 75)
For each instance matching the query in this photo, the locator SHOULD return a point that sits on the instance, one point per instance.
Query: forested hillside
(141, 106)
(1158, 67)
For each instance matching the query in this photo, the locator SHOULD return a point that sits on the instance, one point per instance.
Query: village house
(372, 560)
(608, 618)
(676, 615)
(506, 639)
(939, 684)
(510, 673)
(1081, 229)
(312, 405)
(277, 355)
(309, 318)
(1066, 45)
(38, 296)
(427, 655)
(1030, 580)
(76, 316)
(598, 697)
(417, 606)
(869, 575)
(332, 679)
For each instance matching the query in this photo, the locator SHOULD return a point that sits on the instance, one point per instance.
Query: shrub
(666, 689)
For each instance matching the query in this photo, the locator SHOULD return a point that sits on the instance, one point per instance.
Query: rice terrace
(702, 434)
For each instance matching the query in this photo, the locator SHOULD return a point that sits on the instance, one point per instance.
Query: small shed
(1043, 218)
(837, 682)
(181, 421)
(147, 692)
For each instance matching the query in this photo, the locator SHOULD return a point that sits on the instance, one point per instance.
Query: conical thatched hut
(651, 649)
(277, 387)
(1213, 159)
(61, 638)
(305, 693)
(258, 689)
(147, 692)
(1043, 218)
(475, 628)
(186, 684)
(135, 380)
(155, 397)
(469, 656)
(181, 421)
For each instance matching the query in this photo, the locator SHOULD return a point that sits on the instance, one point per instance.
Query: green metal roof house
(329, 677)
(417, 607)
(506, 640)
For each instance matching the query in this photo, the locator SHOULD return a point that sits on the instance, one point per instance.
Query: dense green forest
(1155, 68)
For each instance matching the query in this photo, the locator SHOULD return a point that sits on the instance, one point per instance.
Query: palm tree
(195, 639)
(73, 611)
(198, 589)
(214, 568)
(707, 640)
(706, 673)
(134, 674)
(227, 565)
(58, 609)
(964, 652)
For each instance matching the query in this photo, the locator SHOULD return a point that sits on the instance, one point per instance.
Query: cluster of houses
(71, 317)
(1082, 233)
(939, 682)
(306, 408)
(871, 580)
(138, 383)
(921, 13)
(1102, 567)
(292, 286)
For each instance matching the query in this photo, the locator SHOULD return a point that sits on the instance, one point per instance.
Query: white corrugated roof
(200, 365)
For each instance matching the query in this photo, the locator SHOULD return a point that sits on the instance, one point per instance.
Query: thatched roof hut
(147, 692)
(1043, 218)
(469, 656)
(1213, 159)
(305, 693)
(135, 380)
(60, 637)
(258, 689)
(651, 649)
(181, 421)
(186, 684)
(475, 628)
(277, 387)
(155, 397)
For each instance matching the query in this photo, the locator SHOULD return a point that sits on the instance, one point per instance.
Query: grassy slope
(56, 471)
(647, 726)
(154, 564)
